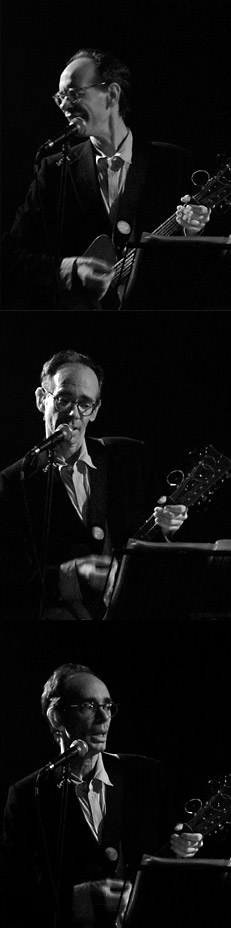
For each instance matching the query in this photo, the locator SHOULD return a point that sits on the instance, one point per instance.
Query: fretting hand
(185, 844)
(191, 216)
(169, 518)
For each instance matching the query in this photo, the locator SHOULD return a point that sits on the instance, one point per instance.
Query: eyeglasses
(73, 95)
(64, 402)
(89, 707)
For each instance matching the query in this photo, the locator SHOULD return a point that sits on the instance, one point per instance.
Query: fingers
(170, 518)
(192, 216)
(101, 267)
(92, 269)
(94, 569)
(97, 560)
(184, 844)
(107, 893)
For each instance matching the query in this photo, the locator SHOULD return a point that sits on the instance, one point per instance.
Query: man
(115, 810)
(57, 567)
(109, 184)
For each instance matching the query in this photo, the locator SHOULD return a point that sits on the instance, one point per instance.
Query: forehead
(85, 686)
(76, 378)
(78, 73)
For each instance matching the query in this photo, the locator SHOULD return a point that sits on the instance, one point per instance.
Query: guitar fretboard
(214, 192)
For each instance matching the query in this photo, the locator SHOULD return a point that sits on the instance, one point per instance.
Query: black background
(167, 378)
(167, 382)
(172, 685)
(179, 55)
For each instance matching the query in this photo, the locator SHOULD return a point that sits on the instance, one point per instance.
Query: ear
(55, 719)
(93, 415)
(40, 399)
(114, 92)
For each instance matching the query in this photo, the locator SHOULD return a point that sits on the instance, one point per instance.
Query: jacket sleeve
(31, 257)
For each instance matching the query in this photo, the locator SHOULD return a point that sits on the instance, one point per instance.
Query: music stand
(172, 581)
(180, 893)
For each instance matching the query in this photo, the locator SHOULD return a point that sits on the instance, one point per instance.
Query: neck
(71, 456)
(82, 768)
(112, 138)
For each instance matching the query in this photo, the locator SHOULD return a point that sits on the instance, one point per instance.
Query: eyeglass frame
(78, 93)
(74, 402)
(96, 706)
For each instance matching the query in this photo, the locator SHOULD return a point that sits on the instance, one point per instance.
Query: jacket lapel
(115, 803)
(98, 485)
(134, 182)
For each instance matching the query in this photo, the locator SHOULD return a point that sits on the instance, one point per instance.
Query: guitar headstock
(211, 469)
(215, 812)
(217, 189)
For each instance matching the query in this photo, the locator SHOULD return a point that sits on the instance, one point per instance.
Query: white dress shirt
(112, 172)
(92, 797)
(76, 480)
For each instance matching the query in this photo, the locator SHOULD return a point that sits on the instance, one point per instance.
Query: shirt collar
(83, 456)
(124, 151)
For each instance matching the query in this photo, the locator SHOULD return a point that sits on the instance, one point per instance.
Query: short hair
(110, 69)
(69, 356)
(54, 688)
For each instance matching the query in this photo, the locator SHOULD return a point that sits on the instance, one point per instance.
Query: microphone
(77, 747)
(77, 125)
(62, 433)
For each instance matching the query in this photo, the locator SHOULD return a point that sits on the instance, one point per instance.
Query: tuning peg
(200, 178)
(175, 478)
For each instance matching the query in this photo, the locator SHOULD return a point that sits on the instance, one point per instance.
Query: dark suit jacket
(136, 815)
(119, 494)
(157, 178)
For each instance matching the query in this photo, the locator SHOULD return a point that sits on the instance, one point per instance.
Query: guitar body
(102, 250)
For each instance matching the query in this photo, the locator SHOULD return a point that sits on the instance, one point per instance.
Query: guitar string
(148, 526)
(208, 808)
(169, 226)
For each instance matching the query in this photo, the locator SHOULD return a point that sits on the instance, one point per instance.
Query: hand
(94, 569)
(184, 844)
(192, 217)
(95, 275)
(169, 518)
(106, 894)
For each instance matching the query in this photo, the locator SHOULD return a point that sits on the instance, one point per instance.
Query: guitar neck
(213, 193)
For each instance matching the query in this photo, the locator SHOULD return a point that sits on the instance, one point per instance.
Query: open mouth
(76, 114)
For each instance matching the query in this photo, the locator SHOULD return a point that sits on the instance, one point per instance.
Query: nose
(73, 409)
(104, 712)
(65, 103)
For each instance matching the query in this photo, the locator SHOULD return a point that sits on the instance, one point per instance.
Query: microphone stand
(57, 284)
(63, 162)
(46, 526)
(61, 838)
(55, 878)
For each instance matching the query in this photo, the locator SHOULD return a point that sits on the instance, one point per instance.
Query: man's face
(79, 723)
(76, 383)
(93, 104)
